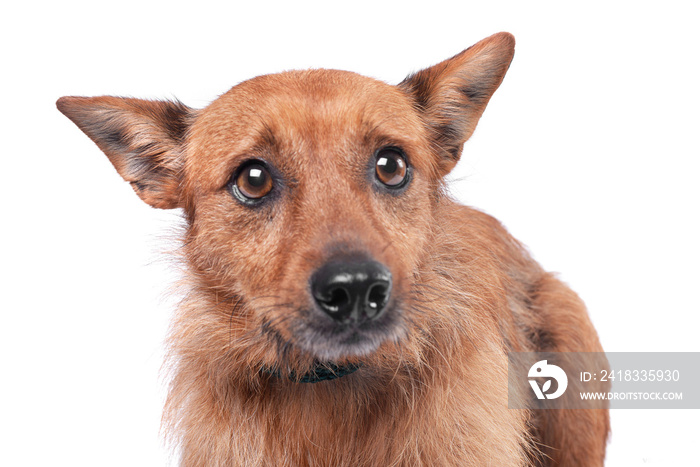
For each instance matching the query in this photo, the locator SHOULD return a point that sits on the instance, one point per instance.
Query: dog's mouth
(305, 359)
(332, 341)
(349, 307)
(309, 349)
(352, 306)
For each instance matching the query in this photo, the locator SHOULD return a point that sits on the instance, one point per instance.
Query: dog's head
(309, 195)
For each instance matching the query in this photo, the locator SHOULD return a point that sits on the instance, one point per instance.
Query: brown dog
(342, 309)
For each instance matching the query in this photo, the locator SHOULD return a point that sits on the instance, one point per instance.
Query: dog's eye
(391, 167)
(253, 181)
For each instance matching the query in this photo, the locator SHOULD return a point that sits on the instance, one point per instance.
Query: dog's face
(309, 195)
(321, 184)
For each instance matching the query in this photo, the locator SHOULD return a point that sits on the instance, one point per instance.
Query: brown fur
(432, 390)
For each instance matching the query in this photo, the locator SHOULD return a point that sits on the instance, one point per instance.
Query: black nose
(352, 292)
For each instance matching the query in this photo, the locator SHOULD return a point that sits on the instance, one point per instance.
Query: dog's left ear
(453, 94)
(143, 140)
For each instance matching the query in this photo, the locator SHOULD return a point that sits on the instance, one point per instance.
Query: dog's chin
(334, 351)
(330, 342)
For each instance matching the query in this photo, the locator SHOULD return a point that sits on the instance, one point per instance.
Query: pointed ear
(452, 95)
(143, 140)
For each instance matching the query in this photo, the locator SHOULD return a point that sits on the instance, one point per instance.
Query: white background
(588, 153)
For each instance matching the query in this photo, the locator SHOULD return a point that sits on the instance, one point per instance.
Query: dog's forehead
(307, 112)
(312, 96)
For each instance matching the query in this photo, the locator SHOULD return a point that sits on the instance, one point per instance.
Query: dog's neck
(320, 372)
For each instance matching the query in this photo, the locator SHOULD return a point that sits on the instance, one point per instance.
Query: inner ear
(143, 139)
(452, 95)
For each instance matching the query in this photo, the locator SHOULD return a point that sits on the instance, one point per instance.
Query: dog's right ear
(143, 140)
(452, 95)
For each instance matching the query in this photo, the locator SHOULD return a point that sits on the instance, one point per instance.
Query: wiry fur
(432, 384)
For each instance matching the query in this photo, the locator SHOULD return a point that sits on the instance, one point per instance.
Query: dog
(341, 308)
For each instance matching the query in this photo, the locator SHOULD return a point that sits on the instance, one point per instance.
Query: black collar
(320, 372)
